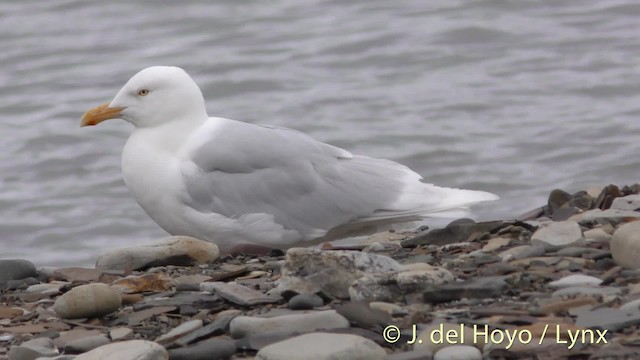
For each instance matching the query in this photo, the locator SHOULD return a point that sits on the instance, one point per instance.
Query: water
(514, 97)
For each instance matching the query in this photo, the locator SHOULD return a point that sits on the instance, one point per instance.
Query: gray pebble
(305, 302)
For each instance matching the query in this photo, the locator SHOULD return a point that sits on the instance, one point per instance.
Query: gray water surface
(513, 97)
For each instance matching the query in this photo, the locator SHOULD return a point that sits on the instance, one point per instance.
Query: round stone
(625, 245)
(86, 301)
(305, 302)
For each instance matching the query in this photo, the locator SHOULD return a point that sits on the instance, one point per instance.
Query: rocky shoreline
(560, 282)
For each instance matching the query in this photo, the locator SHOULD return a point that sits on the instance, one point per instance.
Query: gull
(239, 184)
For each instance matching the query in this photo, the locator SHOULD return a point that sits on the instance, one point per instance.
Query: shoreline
(561, 280)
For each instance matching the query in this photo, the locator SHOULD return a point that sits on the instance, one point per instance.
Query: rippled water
(514, 97)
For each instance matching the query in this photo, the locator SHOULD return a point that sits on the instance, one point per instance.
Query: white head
(152, 97)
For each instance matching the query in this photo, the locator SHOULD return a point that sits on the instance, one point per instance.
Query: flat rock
(67, 337)
(16, 269)
(85, 344)
(564, 305)
(323, 346)
(631, 305)
(558, 235)
(458, 352)
(191, 279)
(389, 308)
(174, 250)
(362, 315)
(576, 280)
(476, 288)
(330, 272)
(76, 274)
(608, 318)
(10, 312)
(154, 282)
(198, 300)
(127, 350)
(587, 291)
(625, 245)
(394, 287)
(629, 202)
(32, 349)
(138, 317)
(121, 333)
(457, 231)
(179, 331)
(612, 216)
(521, 252)
(85, 301)
(237, 293)
(49, 289)
(212, 349)
(597, 234)
(217, 327)
(242, 326)
(496, 243)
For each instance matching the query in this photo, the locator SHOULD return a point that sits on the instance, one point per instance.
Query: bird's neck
(169, 136)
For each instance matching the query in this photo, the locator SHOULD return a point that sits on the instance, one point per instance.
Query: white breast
(151, 172)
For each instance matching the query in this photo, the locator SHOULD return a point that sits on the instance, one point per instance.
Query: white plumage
(236, 183)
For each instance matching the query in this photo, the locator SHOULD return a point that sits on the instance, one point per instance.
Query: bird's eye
(143, 92)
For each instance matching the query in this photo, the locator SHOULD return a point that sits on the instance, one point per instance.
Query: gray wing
(306, 185)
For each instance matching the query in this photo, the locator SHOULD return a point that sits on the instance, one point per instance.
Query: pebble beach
(559, 282)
